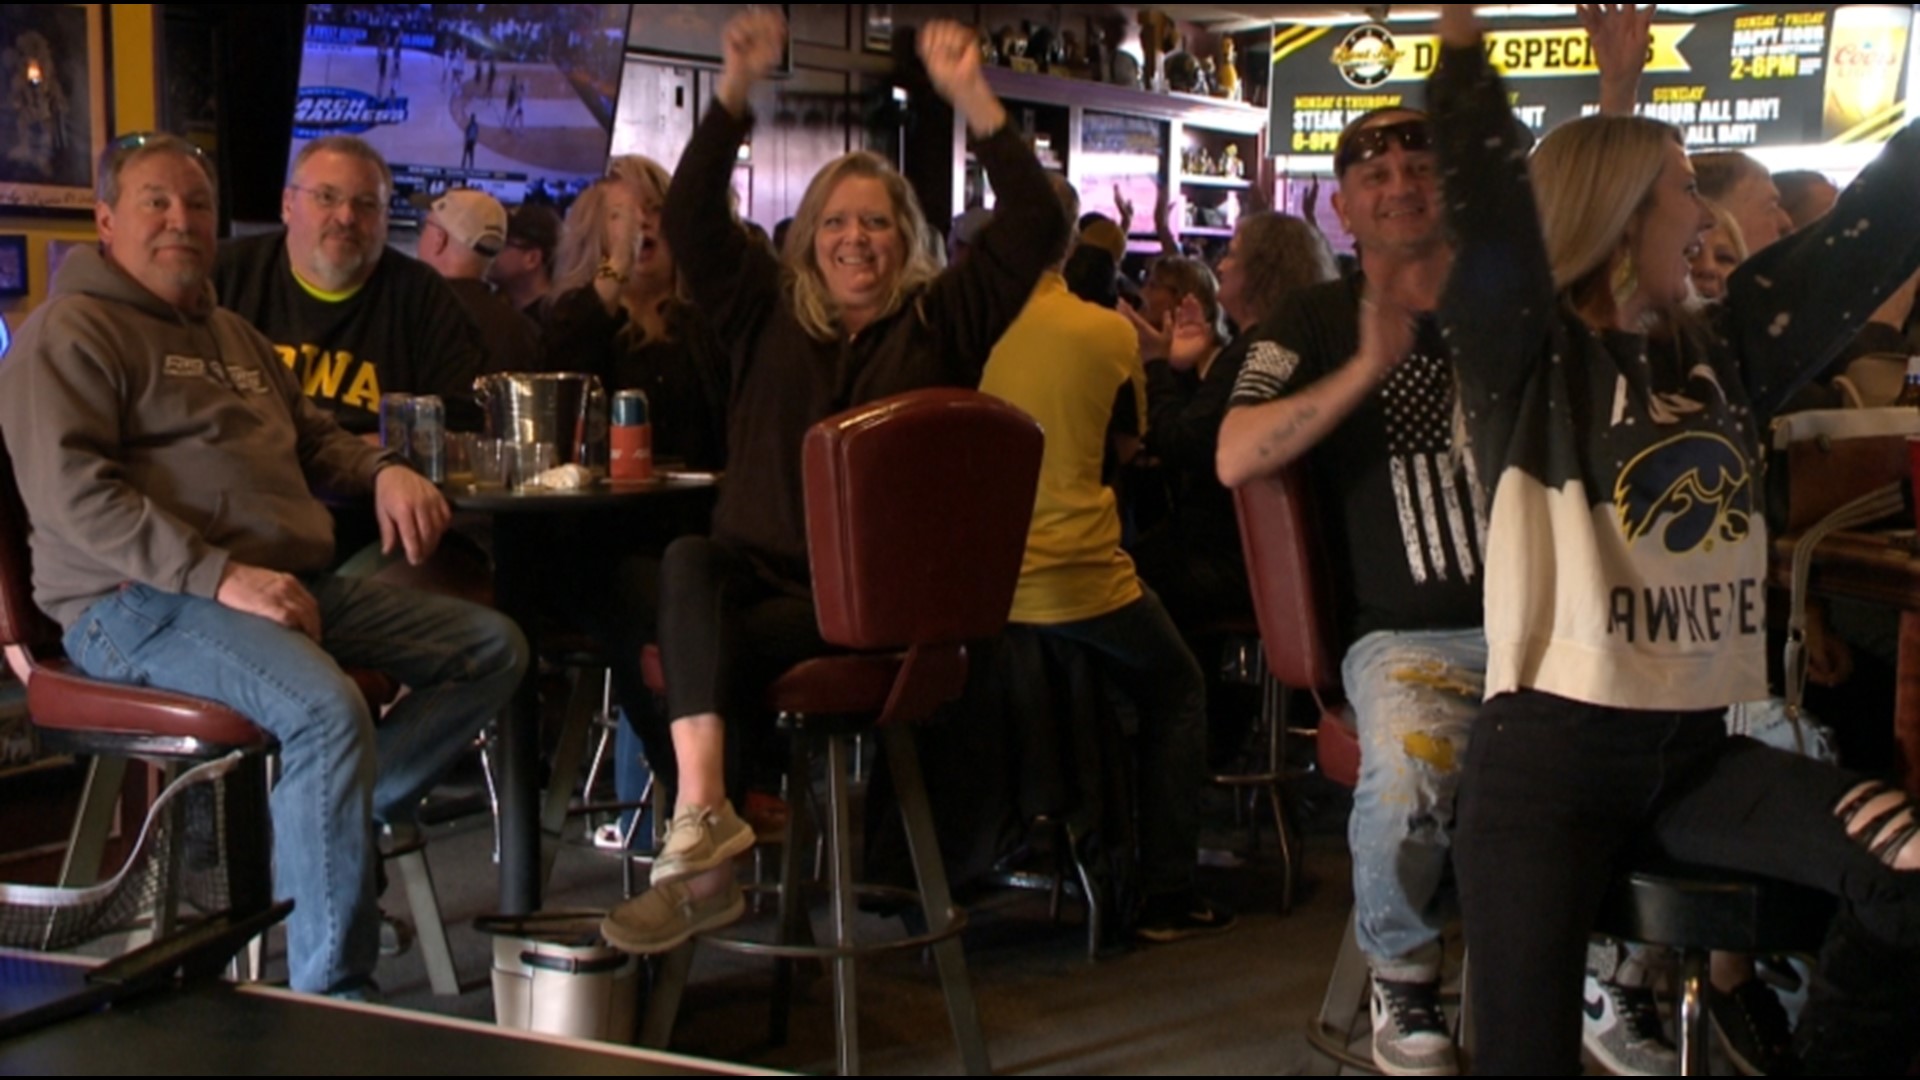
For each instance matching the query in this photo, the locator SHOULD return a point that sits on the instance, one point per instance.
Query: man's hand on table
(276, 597)
(411, 512)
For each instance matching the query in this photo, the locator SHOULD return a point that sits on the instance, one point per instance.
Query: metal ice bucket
(528, 407)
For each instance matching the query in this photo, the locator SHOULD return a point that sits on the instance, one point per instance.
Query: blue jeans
(1414, 696)
(338, 773)
(1146, 656)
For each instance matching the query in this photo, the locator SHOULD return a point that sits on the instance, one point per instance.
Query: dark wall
(256, 73)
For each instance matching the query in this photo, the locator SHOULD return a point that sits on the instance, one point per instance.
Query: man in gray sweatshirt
(165, 454)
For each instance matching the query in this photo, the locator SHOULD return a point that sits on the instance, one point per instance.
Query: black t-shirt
(1404, 511)
(402, 332)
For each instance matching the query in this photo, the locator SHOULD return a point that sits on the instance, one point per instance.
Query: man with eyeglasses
(352, 318)
(164, 454)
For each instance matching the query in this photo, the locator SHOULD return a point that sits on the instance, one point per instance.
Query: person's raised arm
(1796, 303)
(733, 280)
(1163, 221)
(1621, 34)
(1276, 415)
(973, 303)
(1499, 303)
(951, 53)
(752, 45)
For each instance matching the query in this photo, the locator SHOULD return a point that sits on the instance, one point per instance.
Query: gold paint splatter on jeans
(1435, 675)
(1435, 752)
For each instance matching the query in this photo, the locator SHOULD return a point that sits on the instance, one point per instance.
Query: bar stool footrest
(956, 923)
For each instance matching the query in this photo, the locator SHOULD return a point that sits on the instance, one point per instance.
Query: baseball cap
(471, 217)
(535, 227)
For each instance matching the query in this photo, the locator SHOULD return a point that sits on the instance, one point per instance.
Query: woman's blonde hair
(813, 305)
(1724, 221)
(1592, 177)
(583, 241)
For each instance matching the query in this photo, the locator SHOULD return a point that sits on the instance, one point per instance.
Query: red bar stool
(113, 724)
(917, 514)
(1294, 608)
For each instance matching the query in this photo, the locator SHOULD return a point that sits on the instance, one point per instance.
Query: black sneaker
(1173, 916)
(1754, 1028)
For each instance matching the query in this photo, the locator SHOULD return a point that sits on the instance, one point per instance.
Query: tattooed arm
(1279, 411)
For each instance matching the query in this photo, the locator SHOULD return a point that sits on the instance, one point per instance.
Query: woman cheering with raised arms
(855, 309)
(1625, 608)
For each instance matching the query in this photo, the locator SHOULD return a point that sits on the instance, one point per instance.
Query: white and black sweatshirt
(1627, 550)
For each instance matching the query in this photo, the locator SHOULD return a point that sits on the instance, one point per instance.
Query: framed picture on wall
(689, 32)
(53, 115)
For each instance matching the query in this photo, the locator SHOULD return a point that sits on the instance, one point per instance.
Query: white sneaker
(1620, 1027)
(1410, 1036)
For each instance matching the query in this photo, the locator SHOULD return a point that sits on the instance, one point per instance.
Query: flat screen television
(514, 99)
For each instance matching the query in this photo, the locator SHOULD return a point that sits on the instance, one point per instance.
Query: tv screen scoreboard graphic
(1751, 76)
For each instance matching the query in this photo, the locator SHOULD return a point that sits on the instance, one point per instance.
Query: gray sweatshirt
(154, 446)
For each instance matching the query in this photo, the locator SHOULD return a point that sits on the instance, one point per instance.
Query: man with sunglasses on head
(352, 318)
(1351, 372)
(164, 453)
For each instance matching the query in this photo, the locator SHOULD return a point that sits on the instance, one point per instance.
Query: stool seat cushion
(1687, 906)
(837, 685)
(61, 699)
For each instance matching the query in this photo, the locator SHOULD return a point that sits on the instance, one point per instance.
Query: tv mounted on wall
(514, 99)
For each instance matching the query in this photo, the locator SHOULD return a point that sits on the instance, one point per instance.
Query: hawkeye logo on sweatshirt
(1685, 505)
(333, 375)
(1696, 489)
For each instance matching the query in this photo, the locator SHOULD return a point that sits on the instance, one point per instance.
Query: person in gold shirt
(1065, 362)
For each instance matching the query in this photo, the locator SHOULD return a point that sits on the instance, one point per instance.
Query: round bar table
(530, 528)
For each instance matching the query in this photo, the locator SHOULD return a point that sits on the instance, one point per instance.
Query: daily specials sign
(1748, 76)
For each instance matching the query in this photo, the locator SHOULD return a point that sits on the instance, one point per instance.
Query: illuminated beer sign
(1749, 76)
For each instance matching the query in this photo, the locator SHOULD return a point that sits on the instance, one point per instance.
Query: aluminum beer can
(396, 424)
(631, 437)
(430, 437)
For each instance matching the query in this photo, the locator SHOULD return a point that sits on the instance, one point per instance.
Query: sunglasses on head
(1369, 143)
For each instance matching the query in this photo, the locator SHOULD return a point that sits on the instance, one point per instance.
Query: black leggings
(1556, 794)
(727, 631)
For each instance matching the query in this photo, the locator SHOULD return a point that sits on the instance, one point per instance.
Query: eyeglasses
(1369, 143)
(330, 199)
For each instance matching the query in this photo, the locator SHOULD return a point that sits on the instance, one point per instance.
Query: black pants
(1556, 794)
(727, 631)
